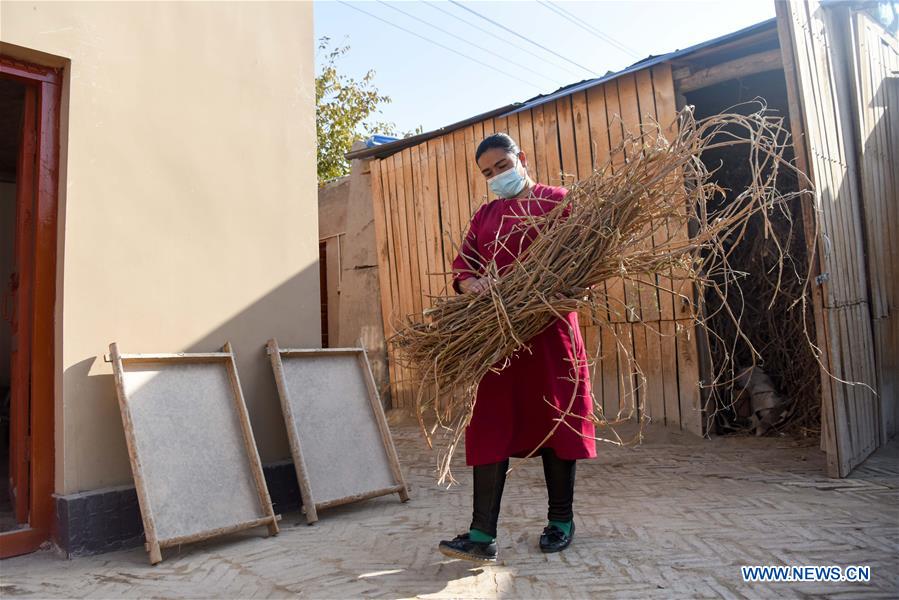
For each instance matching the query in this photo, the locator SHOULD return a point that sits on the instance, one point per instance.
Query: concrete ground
(674, 517)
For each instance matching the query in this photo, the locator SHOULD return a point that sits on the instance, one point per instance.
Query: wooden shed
(832, 70)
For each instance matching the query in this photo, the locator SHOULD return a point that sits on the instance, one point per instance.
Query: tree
(342, 106)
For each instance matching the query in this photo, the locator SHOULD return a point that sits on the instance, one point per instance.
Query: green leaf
(342, 106)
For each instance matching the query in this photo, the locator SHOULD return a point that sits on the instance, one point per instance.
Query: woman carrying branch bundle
(518, 406)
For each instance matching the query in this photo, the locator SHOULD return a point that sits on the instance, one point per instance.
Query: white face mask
(509, 182)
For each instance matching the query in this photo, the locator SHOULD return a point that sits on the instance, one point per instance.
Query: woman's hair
(502, 141)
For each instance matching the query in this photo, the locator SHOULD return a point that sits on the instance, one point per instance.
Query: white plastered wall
(188, 212)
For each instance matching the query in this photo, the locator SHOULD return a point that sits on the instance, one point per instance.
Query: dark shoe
(554, 539)
(462, 547)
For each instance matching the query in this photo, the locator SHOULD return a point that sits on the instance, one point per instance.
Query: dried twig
(651, 216)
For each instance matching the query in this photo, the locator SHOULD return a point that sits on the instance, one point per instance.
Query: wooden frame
(226, 356)
(307, 487)
(32, 461)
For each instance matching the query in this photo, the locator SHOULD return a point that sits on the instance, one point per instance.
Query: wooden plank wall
(424, 197)
(817, 57)
(876, 84)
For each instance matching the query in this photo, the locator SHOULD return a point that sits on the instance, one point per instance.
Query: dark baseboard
(98, 521)
(109, 519)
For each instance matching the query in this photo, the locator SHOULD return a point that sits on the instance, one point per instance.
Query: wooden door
(875, 82)
(21, 286)
(817, 70)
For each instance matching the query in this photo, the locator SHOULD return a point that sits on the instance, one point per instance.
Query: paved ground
(675, 517)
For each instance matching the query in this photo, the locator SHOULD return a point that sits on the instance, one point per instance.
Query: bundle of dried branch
(778, 336)
(643, 217)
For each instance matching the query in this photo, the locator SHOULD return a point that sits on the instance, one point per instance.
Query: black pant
(489, 481)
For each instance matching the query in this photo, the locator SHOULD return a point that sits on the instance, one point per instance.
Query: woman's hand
(474, 285)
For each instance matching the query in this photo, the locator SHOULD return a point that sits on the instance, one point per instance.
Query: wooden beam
(755, 40)
(681, 72)
(748, 65)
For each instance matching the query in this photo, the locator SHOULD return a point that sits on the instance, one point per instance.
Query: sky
(525, 49)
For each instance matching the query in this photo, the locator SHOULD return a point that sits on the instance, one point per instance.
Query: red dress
(510, 416)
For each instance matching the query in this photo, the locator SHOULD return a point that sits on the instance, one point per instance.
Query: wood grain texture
(874, 65)
(439, 183)
(819, 43)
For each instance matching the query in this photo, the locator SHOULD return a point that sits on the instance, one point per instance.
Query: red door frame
(37, 209)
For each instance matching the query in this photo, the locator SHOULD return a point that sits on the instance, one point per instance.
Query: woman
(515, 408)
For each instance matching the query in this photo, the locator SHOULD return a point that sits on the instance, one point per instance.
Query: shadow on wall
(94, 437)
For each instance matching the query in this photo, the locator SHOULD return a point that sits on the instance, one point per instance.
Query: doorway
(779, 391)
(29, 165)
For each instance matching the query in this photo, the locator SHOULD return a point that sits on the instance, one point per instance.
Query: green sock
(565, 527)
(476, 535)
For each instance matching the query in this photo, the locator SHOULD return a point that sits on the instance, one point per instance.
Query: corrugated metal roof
(386, 150)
